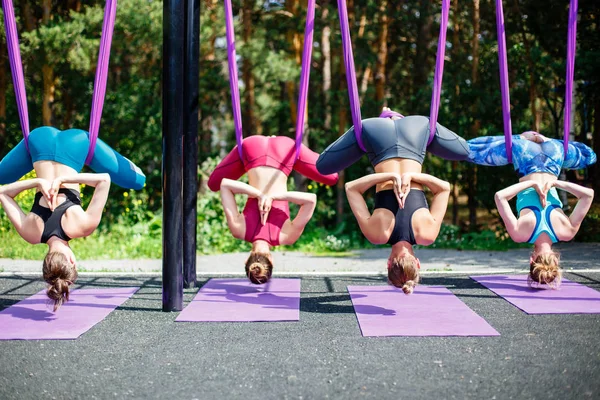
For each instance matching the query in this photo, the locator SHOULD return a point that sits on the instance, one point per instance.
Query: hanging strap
(571, 47)
(110, 12)
(350, 73)
(305, 74)
(439, 71)
(503, 67)
(16, 67)
(233, 77)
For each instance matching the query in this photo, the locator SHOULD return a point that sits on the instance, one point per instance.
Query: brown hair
(545, 270)
(404, 273)
(259, 268)
(59, 273)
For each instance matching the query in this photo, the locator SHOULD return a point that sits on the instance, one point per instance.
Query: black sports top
(403, 230)
(52, 219)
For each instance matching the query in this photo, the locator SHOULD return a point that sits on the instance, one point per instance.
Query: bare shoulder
(561, 224)
(75, 222)
(526, 223)
(425, 227)
(33, 228)
(379, 226)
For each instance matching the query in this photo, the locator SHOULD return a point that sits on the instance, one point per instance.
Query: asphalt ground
(139, 351)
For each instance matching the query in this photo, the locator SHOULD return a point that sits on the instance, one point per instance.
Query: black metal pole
(173, 74)
(190, 140)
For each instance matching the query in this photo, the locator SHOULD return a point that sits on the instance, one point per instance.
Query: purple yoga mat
(570, 298)
(429, 311)
(33, 318)
(239, 300)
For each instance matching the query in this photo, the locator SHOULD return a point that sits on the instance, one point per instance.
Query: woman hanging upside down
(265, 221)
(56, 216)
(540, 219)
(396, 147)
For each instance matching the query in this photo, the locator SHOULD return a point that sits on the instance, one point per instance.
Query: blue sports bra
(530, 199)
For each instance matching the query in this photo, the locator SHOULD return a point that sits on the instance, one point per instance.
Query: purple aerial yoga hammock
(304, 75)
(502, 60)
(16, 67)
(571, 47)
(108, 26)
(351, 72)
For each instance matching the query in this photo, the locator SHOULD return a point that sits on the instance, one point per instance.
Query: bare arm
(511, 222)
(92, 216)
(354, 193)
(14, 213)
(584, 195)
(235, 220)
(307, 203)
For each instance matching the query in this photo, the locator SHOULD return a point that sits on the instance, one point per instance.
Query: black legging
(385, 138)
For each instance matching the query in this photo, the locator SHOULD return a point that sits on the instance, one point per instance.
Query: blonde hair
(545, 270)
(404, 273)
(259, 268)
(59, 273)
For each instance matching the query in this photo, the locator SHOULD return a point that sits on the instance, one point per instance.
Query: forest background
(394, 45)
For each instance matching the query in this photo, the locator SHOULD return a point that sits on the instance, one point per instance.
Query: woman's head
(59, 272)
(259, 267)
(403, 272)
(544, 269)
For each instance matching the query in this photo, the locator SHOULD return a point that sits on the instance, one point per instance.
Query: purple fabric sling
(108, 26)
(503, 66)
(571, 47)
(16, 67)
(351, 72)
(304, 75)
(503, 63)
(439, 71)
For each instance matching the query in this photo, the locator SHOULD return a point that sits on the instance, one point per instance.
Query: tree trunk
(211, 8)
(3, 90)
(293, 41)
(421, 67)
(472, 169)
(532, 71)
(382, 55)
(595, 169)
(250, 123)
(47, 73)
(27, 17)
(326, 51)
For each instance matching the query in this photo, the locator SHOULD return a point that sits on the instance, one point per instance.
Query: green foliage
(590, 227)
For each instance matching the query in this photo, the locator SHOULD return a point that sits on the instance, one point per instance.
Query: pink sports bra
(269, 232)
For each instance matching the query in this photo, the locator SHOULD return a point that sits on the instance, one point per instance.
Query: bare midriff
(541, 177)
(399, 166)
(268, 180)
(50, 170)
